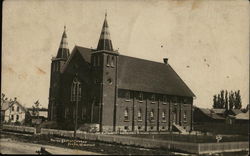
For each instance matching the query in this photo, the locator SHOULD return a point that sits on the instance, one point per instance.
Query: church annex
(117, 92)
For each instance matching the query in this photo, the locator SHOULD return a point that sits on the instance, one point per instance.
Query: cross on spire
(105, 42)
(63, 51)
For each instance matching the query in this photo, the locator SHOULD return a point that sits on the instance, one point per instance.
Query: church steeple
(105, 42)
(63, 51)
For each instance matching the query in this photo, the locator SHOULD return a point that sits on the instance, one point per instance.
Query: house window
(185, 116)
(17, 117)
(108, 60)
(127, 95)
(12, 117)
(152, 115)
(163, 115)
(126, 114)
(112, 61)
(140, 97)
(13, 108)
(17, 109)
(139, 116)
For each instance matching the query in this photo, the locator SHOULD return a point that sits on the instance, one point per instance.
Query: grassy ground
(99, 147)
(190, 138)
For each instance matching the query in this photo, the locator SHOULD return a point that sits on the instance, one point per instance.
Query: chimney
(165, 60)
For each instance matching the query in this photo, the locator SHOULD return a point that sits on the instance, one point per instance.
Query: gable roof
(7, 104)
(236, 111)
(210, 113)
(142, 75)
(242, 116)
(148, 76)
(85, 53)
(218, 110)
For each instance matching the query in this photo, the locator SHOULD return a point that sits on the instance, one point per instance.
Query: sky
(207, 42)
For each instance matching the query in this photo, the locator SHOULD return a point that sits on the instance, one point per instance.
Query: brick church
(117, 92)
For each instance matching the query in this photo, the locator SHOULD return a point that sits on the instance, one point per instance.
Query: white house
(12, 112)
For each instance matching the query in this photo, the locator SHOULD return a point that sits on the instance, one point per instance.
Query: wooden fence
(22, 129)
(197, 148)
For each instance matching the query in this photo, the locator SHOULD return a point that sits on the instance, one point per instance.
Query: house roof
(211, 114)
(236, 111)
(242, 116)
(218, 111)
(144, 75)
(6, 104)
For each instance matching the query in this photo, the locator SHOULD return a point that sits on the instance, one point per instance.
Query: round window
(110, 81)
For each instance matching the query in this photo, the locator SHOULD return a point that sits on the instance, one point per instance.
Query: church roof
(63, 50)
(105, 42)
(148, 76)
(142, 75)
(85, 53)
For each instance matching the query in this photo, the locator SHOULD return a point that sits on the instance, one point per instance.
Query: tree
(237, 100)
(226, 100)
(231, 100)
(215, 105)
(219, 100)
(35, 108)
(222, 103)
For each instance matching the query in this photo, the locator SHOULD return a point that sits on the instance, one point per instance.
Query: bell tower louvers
(104, 71)
(55, 77)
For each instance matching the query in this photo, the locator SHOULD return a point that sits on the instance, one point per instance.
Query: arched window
(153, 97)
(164, 99)
(108, 60)
(139, 116)
(126, 114)
(152, 114)
(112, 61)
(140, 97)
(127, 95)
(163, 115)
(76, 90)
(17, 117)
(185, 116)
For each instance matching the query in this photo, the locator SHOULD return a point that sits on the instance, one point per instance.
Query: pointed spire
(63, 51)
(105, 42)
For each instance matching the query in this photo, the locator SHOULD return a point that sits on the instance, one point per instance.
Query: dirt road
(8, 146)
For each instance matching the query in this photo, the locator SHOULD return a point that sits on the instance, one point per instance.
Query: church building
(117, 92)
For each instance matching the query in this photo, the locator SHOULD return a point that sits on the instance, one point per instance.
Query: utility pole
(75, 96)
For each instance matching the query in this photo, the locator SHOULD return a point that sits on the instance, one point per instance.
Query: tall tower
(104, 62)
(55, 76)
